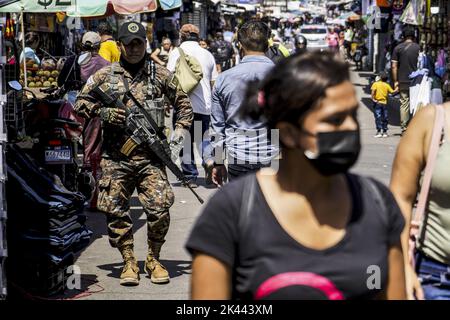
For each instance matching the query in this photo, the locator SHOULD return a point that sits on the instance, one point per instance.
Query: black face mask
(337, 152)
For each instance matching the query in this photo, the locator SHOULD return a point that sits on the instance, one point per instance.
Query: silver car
(316, 35)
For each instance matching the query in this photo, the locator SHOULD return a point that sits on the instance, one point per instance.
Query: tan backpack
(188, 72)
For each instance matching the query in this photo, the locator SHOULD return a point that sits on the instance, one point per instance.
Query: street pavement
(100, 265)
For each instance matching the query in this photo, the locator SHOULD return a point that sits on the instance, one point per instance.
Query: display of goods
(44, 76)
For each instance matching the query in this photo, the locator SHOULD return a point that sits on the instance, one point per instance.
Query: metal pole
(23, 50)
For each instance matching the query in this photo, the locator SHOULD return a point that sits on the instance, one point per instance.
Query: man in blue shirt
(247, 142)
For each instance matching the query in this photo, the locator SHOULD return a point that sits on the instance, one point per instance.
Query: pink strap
(431, 161)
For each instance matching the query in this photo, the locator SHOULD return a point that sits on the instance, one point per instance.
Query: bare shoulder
(421, 127)
(425, 116)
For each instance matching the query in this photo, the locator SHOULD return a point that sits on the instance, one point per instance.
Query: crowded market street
(100, 268)
(240, 150)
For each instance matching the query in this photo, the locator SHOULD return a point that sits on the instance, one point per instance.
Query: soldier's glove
(176, 143)
(114, 116)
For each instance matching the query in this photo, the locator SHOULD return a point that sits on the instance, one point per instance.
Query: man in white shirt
(200, 97)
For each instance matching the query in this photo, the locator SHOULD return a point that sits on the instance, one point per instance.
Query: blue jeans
(189, 167)
(435, 278)
(381, 117)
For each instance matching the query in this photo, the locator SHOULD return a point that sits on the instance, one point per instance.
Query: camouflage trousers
(116, 186)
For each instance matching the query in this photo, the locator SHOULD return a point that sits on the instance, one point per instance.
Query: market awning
(6, 2)
(338, 3)
(81, 8)
(354, 17)
(350, 16)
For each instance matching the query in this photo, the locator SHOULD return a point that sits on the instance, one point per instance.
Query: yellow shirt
(284, 51)
(109, 51)
(381, 90)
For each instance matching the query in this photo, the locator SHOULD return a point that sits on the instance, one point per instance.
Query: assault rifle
(142, 129)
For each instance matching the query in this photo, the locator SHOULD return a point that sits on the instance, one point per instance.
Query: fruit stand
(43, 76)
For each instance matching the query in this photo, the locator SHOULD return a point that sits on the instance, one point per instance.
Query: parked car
(316, 35)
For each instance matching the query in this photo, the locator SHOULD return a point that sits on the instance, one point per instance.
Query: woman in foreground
(309, 230)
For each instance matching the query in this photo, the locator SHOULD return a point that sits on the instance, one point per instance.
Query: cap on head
(130, 31)
(91, 38)
(189, 30)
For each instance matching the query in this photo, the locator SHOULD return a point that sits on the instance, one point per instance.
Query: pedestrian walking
(28, 54)
(161, 55)
(228, 127)
(204, 43)
(404, 62)
(108, 48)
(380, 95)
(222, 51)
(288, 234)
(333, 40)
(348, 40)
(200, 97)
(90, 62)
(141, 169)
(276, 51)
(301, 44)
(422, 161)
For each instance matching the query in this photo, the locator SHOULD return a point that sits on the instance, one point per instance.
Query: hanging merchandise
(419, 90)
(384, 3)
(82, 8)
(398, 6)
(414, 13)
(441, 64)
(170, 4)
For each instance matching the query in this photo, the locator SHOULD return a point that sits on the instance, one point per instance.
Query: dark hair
(383, 76)
(30, 38)
(254, 36)
(104, 29)
(293, 87)
(192, 36)
(409, 33)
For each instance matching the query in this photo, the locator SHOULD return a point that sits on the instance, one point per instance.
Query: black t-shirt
(406, 54)
(267, 263)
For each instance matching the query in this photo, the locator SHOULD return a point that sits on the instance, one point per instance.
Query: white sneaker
(378, 135)
(385, 135)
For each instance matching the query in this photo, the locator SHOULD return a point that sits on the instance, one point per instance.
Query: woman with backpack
(309, 230)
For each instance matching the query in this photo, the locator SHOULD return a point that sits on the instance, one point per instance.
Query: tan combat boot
(130, 272)
(156, 271)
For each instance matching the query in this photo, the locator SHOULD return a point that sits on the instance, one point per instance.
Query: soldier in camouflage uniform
(141, 169)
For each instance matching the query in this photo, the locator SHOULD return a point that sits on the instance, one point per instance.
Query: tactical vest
(152, 104)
